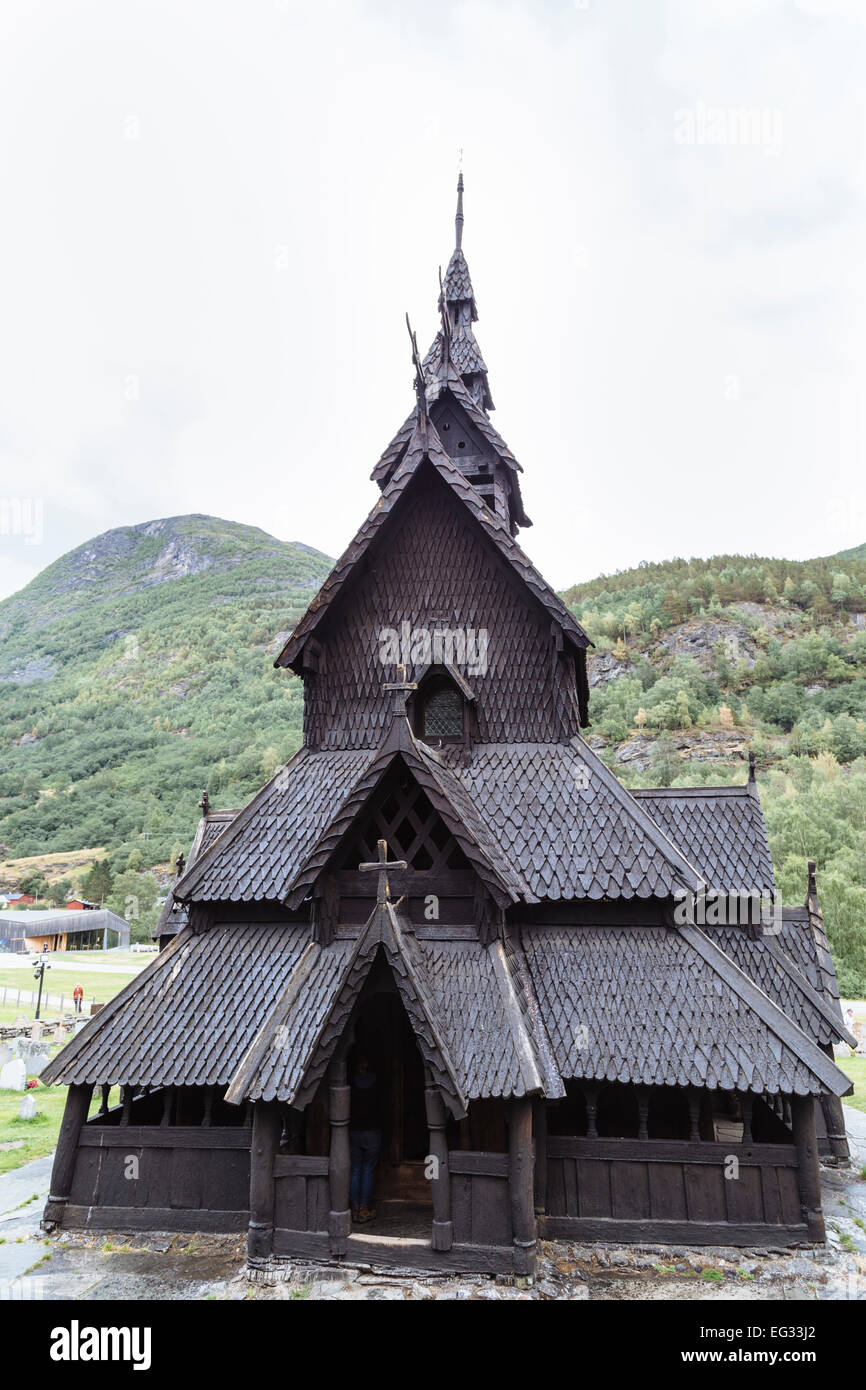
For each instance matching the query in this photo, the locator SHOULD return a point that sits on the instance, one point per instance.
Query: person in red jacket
(78, 996)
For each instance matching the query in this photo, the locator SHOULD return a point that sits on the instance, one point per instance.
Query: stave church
(445, 988)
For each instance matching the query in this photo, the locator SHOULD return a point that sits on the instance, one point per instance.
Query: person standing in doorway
(78, 997)
(365, 1139)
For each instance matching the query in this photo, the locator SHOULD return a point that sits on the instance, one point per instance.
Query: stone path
(22, 1197)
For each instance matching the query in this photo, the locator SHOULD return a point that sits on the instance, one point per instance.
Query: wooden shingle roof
(662, 1006)
(259, 1008)
(425, 447)
(538, 821)
(722, 831)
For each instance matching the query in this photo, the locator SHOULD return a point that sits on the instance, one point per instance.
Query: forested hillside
(137, 670)
(697, 661)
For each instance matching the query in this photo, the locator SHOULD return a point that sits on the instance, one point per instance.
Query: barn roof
(62, 919)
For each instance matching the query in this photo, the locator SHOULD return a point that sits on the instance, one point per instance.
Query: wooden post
(746, 1105)
(539, 1135)
(521, 1184)
(590, 1093)
(808, 1172)
(443, 1230)
(167, 1098)
(834, 1120)
(643, 1113)
(339, 1164)
(694, 1115)
(74, 1116)
(265, 1137)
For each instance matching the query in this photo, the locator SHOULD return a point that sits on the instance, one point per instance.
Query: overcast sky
(215, 216)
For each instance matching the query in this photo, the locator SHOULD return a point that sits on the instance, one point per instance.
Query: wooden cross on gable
(401, 688)
(381, 866)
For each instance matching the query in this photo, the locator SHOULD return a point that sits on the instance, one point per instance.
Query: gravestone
(5, 1054)
(27, 1108)
(35, 1057)
(13, 1075)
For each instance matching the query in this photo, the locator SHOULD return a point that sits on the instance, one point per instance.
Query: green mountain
(698, 661)
(137, 670)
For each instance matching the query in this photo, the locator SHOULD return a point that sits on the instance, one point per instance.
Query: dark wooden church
(572, 1032)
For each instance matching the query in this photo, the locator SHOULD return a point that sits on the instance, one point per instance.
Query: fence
(27, 997)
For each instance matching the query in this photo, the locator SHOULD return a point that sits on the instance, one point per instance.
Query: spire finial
(458, 220)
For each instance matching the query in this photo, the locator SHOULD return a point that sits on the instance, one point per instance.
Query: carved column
(443, 1230)
(590, 1094)
(808, 1171)
(643, 1101)
(339, 1163)
(74, 1116)
(265, 1138)
(746, 1106)
(521, 1185)
(694, 1099)
(834, 1121)
(539, 1135)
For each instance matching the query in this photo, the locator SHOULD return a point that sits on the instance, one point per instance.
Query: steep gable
(432, 556)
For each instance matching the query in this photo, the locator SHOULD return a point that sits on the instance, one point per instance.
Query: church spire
(457, 300)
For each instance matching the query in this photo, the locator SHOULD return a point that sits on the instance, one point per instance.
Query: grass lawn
(96, 985)
(855, 1067)
(123, 960)
(39, 1135)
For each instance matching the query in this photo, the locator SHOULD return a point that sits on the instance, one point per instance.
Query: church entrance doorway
(386, 1077)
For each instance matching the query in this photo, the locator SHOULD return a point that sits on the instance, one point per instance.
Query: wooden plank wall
(194, 1170)
(480, 1198)
(663, 1186)
(301, 1201)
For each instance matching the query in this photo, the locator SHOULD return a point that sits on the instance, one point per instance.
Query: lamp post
(39, 974)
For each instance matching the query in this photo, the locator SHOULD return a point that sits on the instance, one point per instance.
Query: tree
(58, 892)
(33, 882)
(133, 897)
(684, 717)
(97, 882)
(663, 760)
